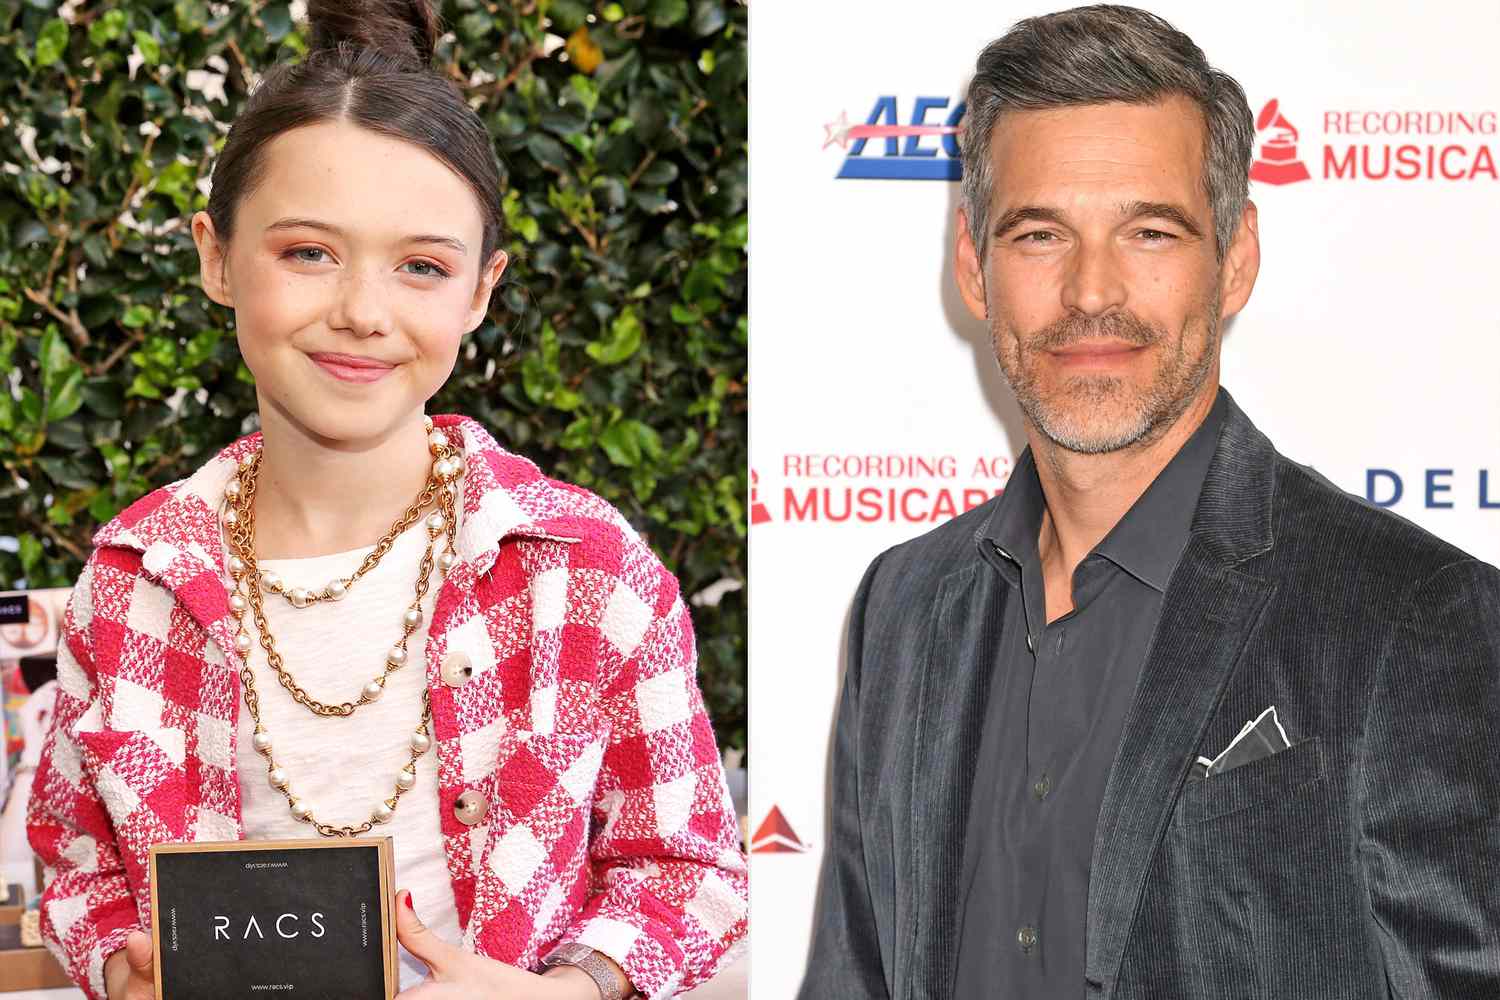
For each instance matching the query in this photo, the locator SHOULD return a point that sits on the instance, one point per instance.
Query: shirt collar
(1146, 542)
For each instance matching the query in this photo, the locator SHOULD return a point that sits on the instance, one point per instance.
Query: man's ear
(1241, 264)
(968, 270)
(489, 277)
(212, 256)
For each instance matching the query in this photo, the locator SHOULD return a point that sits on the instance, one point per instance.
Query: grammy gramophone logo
(1277, 162)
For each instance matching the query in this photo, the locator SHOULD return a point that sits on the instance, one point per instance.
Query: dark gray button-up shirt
(1056, 710)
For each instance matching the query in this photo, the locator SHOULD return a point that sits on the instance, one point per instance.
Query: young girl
(362, 621)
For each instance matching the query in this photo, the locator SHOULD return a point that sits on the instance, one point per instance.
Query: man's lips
(1095, 353)
(351, 368)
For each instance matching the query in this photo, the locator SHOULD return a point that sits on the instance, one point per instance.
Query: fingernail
(408, 903)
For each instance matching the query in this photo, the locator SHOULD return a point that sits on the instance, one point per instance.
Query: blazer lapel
(1208, 613)
(949, 722)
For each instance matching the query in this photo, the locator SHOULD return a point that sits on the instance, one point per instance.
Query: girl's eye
(426, 269)
(299, 253)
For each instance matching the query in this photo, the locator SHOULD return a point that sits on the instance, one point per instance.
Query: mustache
(1070, 330)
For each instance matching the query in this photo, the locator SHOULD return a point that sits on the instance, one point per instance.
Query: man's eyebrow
(298, 222)
(1161, 210)
(1026, 213)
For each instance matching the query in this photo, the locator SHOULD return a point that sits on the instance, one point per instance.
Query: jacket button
(456, 669)
(470, 807)
(1026, 937)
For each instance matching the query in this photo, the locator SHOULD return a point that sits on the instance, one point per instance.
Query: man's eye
(1155, 236)
(1040, 236)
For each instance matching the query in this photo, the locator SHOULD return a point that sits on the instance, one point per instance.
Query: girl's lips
(347, 368)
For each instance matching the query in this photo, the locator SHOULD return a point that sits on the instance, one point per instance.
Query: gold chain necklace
(239, 522)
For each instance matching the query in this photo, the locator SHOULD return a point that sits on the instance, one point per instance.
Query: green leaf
(708, 17)
(30, 552)
(51, 42)
(106, 28)
(277, 19)
(150, 47)
(136, 316)
(622, 341)
(666, 13)
(626, 442)
(65, 399)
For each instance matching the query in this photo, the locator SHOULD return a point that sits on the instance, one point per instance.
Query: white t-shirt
(345, 766)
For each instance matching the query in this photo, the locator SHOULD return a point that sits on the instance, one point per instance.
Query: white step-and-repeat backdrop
(1370, 349)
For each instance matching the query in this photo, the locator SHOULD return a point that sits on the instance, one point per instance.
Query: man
(1038, 789)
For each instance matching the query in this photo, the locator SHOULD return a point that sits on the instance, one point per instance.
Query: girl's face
(354, 273)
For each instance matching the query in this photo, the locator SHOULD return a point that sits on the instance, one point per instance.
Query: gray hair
(1098, 55)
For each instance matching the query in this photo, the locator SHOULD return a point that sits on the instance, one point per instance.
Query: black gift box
(284, 918)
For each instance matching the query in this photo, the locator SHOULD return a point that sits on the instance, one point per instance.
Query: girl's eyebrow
(293, 222)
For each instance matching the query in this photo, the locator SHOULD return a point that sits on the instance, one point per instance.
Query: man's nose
(1094, 283)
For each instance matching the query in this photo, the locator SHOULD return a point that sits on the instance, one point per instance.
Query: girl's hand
(456, 974)
(129, 973)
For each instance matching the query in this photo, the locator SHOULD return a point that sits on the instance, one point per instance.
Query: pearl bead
(396, 657)
(427, 422)
(373, 690)
(231, 516)
(412, 617)
(383, 813)
(237, 603)
(458, 465)
(271, 580)
(236, 566)
(300, 596)
(300, 809)
(277, 777)
(437, 441)
(420, 741)
(232, 488)
(446, 561)
(436, 522)
(336, 589)
(406, 778)
(246, 461)
(261, 741)
(242, 643)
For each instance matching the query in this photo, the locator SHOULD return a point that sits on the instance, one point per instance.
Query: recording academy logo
(922, 148)
(876, 487)
(1378, 144)
(776, 836)
(1277, 162)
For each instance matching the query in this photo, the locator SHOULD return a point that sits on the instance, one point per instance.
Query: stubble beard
(1098, 414)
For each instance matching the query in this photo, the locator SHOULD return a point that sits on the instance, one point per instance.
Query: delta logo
(922, 145)
(776, 836)
(1378, 145)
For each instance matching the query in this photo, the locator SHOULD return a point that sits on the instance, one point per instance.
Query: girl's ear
(211, 260)
(489, 277)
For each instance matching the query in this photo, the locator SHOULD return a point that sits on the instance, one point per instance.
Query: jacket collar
(504, 495)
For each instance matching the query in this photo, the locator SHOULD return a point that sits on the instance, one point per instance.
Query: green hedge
(614, 355)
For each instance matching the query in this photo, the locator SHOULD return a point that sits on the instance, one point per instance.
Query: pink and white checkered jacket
(609, 821)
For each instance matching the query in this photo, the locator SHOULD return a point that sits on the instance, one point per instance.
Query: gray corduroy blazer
(1363, 861)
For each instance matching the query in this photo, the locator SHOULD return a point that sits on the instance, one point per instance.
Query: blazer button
(456, 669)
(471, 807)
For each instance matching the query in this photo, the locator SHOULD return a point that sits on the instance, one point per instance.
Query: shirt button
(456, 669)
(1041, 787)
(470, 807)
(1026, 937)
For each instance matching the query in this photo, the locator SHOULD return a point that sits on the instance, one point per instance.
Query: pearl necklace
(238, 515)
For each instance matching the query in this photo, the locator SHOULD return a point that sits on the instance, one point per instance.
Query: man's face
(1100, 283)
